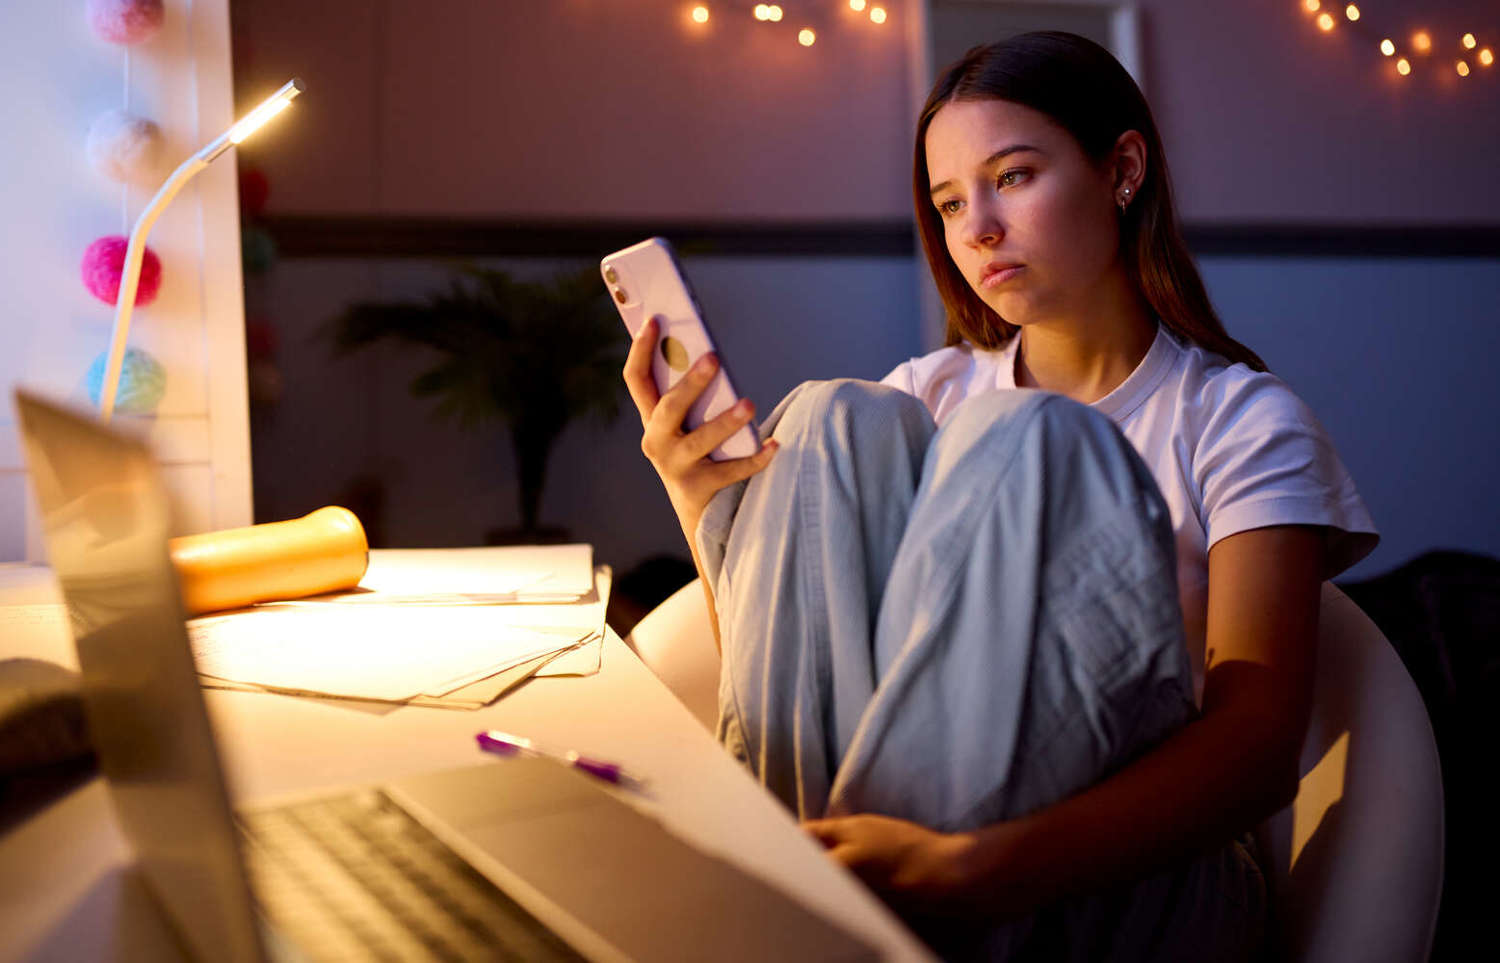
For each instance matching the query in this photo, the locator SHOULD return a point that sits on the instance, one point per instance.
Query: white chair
(677, 643)
(1356, 859)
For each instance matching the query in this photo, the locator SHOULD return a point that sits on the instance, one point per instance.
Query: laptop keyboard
(357, 878)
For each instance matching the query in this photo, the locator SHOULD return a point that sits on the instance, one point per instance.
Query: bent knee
(842, 405)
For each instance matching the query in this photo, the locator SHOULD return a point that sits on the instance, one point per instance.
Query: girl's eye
(1013, 177)
(950, 207)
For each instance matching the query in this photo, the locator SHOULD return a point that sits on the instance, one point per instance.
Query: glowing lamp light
(1486, 57)
(1387, 48)
(1469, 42)
(1403, 67)
(1325, 22)
(1462, 68)
(762, 12)
(135, 251)
(858, 6)
(806, 37)
(1352, 12)
(1311, 6)
(1421, 41)
(877, 14)
(773, 13)
(700, 14)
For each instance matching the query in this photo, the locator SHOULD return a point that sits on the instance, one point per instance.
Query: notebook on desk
(515, 859)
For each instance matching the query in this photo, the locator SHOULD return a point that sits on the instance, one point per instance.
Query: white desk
(67, 890)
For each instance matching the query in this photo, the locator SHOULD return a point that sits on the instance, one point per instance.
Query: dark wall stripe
(430, 237)
(364, 236)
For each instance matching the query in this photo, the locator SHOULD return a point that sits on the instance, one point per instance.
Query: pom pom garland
(143, 381)
(123, 147)
(104, 262)
(125, 21)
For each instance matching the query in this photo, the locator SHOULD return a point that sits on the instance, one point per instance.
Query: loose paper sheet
(375, 652)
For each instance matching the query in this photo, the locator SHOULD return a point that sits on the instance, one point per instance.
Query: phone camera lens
(621, 296)
(611, 275)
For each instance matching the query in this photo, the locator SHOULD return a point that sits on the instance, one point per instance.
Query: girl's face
(1029, 221)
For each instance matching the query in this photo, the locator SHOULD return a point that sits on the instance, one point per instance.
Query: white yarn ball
(124, 147)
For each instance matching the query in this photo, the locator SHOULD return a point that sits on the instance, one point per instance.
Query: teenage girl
(1026, 633)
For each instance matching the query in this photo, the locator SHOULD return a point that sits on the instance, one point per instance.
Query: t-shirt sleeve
(1263, 459)
(902, 378)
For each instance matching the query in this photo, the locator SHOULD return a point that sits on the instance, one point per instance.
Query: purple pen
(505, 744)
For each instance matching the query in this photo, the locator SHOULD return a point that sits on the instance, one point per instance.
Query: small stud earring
(1124, 199)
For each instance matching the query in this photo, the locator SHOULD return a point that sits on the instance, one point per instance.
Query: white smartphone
(645, 281)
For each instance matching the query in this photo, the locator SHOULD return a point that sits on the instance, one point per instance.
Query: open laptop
(523, 859)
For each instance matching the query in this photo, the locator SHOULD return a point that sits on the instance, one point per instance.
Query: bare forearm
(689, 527)
(1206, 784)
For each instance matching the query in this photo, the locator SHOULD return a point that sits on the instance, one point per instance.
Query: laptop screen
(105, 520)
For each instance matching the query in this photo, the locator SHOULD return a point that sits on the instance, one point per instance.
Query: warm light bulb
(877, 14)
(273, 105)
(806, 37)
(1421, 41)
(1387, 48)
(1486, 57)
(858, 6)
(1311, 6)
(1462, 68)
(1469, 41)
(700, 14)
(762, 12)
(773, 13)
(1325, 22)
(1402, 67)
(1352, 12)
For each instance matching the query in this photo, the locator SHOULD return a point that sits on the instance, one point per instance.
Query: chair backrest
(676, 642)
(1357, 859)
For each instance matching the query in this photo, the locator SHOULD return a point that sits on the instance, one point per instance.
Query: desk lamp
(134, 251)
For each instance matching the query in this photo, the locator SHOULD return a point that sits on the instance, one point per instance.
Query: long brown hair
(1083, 89)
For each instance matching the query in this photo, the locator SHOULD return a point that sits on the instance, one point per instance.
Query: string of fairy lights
(702, 14)
(1467, 53)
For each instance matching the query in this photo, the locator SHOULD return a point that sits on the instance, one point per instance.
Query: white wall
(58, 77)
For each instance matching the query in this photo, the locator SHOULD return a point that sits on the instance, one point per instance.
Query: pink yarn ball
(104, 262)
(125, 21)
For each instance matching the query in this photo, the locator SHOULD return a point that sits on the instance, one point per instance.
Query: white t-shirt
(1231, 449)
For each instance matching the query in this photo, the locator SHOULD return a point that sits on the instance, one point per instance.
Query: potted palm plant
(530, 355)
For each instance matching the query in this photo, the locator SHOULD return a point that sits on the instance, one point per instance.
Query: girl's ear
(1129, 162)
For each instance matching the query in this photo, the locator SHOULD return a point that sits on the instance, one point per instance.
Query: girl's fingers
(713, 433)
(825, 831)
(674, 405)
(722, 474)
(637, 370)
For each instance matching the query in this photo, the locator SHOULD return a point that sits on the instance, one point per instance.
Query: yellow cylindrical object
(324, 551)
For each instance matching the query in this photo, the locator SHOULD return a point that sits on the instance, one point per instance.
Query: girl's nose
(983, 229)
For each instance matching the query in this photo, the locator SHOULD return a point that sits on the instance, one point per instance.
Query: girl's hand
(916, 870)
(681, 459)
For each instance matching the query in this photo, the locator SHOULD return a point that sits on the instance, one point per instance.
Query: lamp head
(268, 108)
(253, 121)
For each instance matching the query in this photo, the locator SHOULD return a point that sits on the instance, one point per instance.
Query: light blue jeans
(957, 627)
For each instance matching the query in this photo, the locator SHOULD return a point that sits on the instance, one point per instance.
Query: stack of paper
(452, 627)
